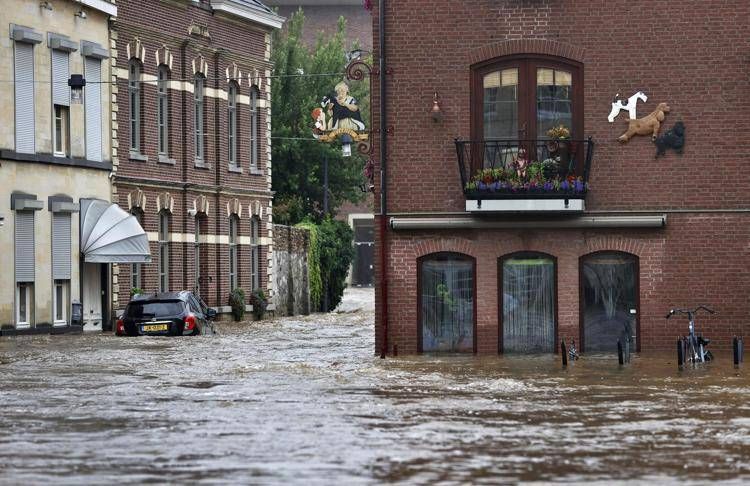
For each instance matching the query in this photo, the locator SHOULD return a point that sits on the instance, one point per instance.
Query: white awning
(111, 235)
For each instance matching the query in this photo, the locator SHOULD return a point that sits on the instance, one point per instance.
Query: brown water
(303, 400)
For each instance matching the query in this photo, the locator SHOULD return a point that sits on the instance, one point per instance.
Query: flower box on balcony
(525, 175)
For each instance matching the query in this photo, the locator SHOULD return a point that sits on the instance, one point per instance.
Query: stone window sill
(137, 157)
(235, 169)
(201, 164)
(256, 171)
(163, 159)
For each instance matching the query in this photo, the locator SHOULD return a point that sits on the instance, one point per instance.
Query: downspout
(383, 181)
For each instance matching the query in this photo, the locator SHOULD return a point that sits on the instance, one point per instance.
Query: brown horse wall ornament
(648, 124)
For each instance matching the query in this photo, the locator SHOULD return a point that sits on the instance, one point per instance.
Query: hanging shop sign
(339, 117)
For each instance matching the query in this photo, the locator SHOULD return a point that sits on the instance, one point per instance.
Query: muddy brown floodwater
(303, 400)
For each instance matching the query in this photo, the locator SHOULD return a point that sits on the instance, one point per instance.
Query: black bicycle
(692, 348)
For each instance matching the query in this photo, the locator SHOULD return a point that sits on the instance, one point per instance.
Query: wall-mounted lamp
(436, 113)
(45, 5)
(76, 83)
(346, 145)
(81, 14)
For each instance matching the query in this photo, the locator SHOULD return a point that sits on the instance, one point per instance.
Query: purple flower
(548, 186)
(495, 186)
(564, 186)
(579, 186)
(481, 186)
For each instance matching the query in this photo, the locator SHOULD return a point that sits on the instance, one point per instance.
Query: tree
(297, 158)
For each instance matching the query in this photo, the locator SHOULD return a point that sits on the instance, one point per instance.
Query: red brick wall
(231, 41)
(692, 56)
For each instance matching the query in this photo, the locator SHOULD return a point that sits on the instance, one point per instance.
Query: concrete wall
(290, 262)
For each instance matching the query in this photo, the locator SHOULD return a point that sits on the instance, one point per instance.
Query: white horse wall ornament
(617, 105)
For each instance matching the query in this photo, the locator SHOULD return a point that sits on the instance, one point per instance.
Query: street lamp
(76, 83)
(346, 145)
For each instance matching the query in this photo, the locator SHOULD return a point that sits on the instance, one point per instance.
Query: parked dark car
(166, 314)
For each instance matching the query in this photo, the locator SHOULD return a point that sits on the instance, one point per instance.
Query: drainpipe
(383, 181)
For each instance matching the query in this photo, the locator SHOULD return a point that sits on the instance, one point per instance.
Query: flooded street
(303, 400)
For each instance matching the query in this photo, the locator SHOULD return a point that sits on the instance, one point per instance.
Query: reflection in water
(294, 399)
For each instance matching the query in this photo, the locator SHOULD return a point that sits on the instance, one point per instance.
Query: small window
(163, 251)
(134, 93)
(233, 226)
(24, 304)
(255, 251)
(135, 268)
(162, 110)
(232, 128)
(60, 302)
(254, 129)
(198, 117)
(197, 253)
(61, 133)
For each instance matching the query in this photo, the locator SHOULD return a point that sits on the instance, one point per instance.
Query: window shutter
(93, 109)
(24, 86)
(24, 246)
(60, 75)
(61, 246)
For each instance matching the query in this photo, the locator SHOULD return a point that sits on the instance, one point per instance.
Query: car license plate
(155, 327)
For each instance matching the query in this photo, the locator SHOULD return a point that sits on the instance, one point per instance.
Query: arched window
(232, 119)
(528, 303)
(446, 289)
(197, 253)
(609, 300)
(162, 110)
(198, 138)
(254, 128)
(134, 93)
(233, 228)
(255, 251)
(135, 268)
(522, 97)
(163, 251)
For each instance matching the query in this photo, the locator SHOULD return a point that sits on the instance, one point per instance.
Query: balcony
(525, 175)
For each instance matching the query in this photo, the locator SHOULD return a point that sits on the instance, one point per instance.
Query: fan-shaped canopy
(111, 235)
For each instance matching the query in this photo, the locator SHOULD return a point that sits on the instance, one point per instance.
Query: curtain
(447, 301)
(529, 304)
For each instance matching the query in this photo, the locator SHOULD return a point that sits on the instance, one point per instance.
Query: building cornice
(100, 5)
(245, 11)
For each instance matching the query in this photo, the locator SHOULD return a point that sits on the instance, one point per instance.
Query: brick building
(488, 265)
(193, 144)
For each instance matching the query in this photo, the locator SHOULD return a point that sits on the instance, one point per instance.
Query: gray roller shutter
(24, 86)
(24, 246)
(93, 109)
(60, 75)
(61, 246)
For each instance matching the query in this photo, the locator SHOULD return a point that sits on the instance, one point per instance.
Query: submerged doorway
(609, 300)
(528, 295)
(94, 293)
(446, 290)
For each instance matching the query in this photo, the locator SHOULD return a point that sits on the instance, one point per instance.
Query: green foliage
(313, 264)
(135, 291)
(237, 301)
(259, 301)
(336, 254)
(298, 164)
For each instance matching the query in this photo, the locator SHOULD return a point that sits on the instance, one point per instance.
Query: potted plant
(237, 302)
(259, 301)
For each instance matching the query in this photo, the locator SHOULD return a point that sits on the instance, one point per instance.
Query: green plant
(237, 302)
(259, 301)
(135, 291)
(313, 264)
(336, 254)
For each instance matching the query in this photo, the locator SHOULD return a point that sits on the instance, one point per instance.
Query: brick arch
(613, 243)
(526, 46)
(451, 245)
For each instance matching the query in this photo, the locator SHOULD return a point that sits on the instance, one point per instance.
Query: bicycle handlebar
(689, 312)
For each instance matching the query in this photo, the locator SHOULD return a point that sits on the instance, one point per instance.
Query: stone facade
(698, 256)
(191, 39)
(42, 171)
(291, 247)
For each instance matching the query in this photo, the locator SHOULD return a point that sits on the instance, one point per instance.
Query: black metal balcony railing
(514, 169)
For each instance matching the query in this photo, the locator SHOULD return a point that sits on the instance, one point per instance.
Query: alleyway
(303, 400)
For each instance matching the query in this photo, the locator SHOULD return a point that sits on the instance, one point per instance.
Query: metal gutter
(622, 221)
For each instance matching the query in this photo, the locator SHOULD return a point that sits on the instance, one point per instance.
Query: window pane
(528, 304)
(58, 129)
(501, 104)
(609, 295)
(447, 304)
(554, 100)
(59, 302)
(22, 303)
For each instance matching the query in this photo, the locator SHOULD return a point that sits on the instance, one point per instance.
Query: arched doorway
(609, 300)
(446, 291)
(528, 303)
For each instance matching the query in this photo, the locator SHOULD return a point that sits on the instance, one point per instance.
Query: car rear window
(161, 308)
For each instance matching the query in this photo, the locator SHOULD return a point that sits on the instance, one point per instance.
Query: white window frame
(28, 289)
(255, 252)
(197, 254)
(134, 100)
(162, 110)
(233, 254)
(163, 251)
(198, 115)
(64, 285)
(254, 128)
(135, 268)
(61, 117)
(232, 121)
